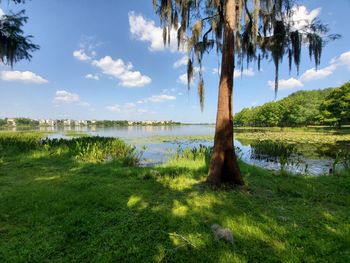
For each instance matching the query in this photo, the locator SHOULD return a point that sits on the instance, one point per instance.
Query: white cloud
(246, 72)
(1, 12)
(81, 55)
(157, 99)
(128, 108)
(285, 84)
(121, 71)
(66, 97)
(313, 74)
(22, 76)
(182, 79)
(145, 30)
(181, 62)
(92, 76)
(342, 60)
(161, 98)
(249, 72)
(301, 17)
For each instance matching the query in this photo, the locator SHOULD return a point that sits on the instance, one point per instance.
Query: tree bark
(223, 165)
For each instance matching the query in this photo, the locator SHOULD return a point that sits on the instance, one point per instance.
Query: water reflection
(299, 158)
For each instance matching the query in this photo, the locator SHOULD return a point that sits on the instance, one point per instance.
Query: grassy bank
(57, 206)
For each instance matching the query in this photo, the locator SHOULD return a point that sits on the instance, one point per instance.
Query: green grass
(59, 208)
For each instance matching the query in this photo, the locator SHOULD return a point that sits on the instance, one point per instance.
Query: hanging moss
(189, 72)
(201, 93)
(261, 26)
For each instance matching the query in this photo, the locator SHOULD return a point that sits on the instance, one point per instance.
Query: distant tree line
(99, 123)
(108, 123)
(316, 107)
(20, 122)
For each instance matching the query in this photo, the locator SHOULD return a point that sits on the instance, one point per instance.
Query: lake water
(161, 142)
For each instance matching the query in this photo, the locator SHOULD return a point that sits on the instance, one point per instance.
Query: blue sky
(105, 60)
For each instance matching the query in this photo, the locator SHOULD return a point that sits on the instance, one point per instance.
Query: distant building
(11, 122)
(68, 122)
(48, 122)
(149, 122)
(82, 122)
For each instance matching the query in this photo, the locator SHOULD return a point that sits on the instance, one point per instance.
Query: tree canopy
(14, 45)
(335, 109)
(263, 29)
(329, 106)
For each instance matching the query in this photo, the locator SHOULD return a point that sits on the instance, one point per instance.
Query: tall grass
(275, 151)
(86, 149)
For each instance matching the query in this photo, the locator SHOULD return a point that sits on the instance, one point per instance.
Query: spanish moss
(264, 29)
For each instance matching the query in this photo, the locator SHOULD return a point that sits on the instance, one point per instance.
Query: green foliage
(108, 123)
(301, 108)
(278, 151)
(26, 122)
(261, 29)
(54, 208)
(335, 109)
(14, 46)
(85, 149)
(3, 122)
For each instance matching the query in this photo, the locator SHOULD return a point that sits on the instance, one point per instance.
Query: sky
(106, 60)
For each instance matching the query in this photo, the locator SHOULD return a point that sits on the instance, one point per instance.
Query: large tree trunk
(223, 165)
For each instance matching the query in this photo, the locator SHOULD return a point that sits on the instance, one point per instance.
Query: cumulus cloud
(121, 71)
(1, 12)
(92, 76)
(145, 30)
(342, 60)
(81, 55)
(22, 76)
(302, 17)
(157, 98)
(285, 84)
(313, 74)
(181, 62)
(66, 97)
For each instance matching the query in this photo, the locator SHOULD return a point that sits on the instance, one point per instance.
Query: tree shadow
(108, 212)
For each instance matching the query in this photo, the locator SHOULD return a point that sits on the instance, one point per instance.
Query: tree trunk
(223, 165)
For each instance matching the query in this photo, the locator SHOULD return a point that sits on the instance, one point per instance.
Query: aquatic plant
(275, 151)
(86, 149)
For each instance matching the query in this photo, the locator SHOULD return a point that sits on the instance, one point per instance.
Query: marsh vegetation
(62, 202)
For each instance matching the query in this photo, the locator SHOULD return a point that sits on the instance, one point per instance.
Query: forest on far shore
(329, 107)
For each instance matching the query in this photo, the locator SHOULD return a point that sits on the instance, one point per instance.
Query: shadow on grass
(57, 209)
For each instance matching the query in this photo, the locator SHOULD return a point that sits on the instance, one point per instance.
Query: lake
(161, 142)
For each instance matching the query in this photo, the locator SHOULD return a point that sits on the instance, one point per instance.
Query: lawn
(63, 202)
